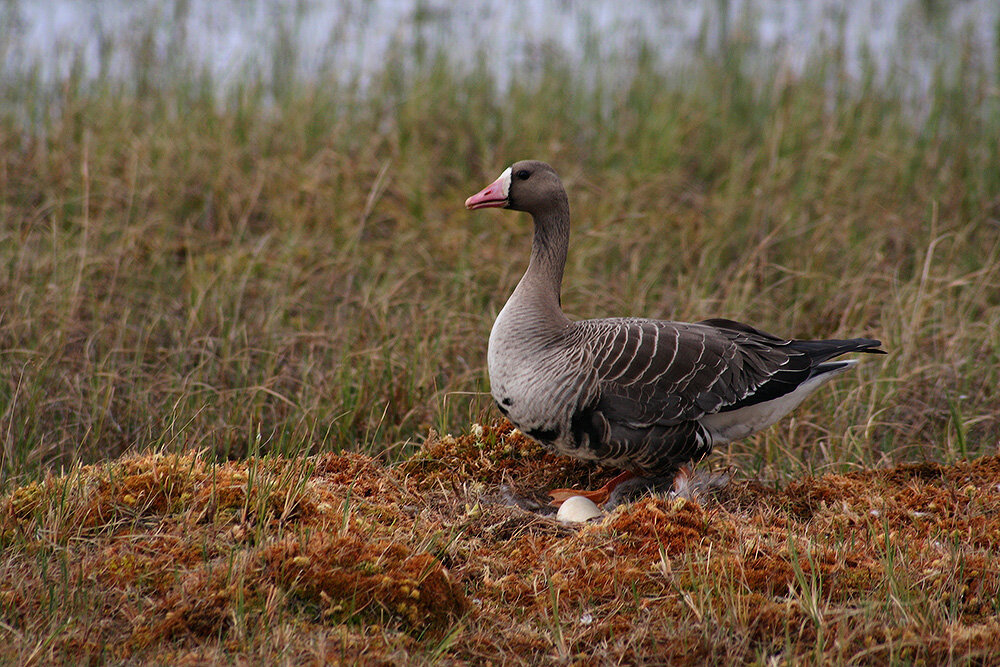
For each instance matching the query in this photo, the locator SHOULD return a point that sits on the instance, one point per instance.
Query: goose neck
(548, 250)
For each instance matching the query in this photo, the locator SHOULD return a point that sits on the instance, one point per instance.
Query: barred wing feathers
(656, 379)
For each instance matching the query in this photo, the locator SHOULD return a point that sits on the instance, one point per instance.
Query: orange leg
(598, 496)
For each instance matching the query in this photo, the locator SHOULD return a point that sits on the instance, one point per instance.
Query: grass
(236, 288)
(337, 558)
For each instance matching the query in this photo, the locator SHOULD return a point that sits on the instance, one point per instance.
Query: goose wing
(666, 373)
(654, 380)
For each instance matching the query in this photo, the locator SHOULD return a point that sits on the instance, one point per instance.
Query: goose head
(528, 185)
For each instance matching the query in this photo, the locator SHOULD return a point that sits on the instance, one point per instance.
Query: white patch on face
(504, 181)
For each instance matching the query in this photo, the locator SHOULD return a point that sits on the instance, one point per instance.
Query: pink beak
(493, 195)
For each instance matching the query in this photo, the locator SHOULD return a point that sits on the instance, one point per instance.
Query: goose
(643, 396)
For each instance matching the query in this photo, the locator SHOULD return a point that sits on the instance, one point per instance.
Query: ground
(339, 557)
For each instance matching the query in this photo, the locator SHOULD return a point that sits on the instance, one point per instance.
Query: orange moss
(347, 576)
(492, 454)
(173, 555)
(652, 524)
(200, 604)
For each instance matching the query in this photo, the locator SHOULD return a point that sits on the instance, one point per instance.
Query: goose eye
(523, 174)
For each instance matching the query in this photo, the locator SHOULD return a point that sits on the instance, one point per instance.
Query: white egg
(577, 509)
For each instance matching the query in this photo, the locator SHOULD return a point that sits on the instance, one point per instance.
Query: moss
(155, 555)
(348, 575)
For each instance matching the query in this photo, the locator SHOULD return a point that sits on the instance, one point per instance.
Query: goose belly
(743, 422)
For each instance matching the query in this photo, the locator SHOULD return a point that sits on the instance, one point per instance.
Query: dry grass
(279, 293)
(170, 558)
(244, 274)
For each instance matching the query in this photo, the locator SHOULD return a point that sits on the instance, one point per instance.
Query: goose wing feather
(667, 373)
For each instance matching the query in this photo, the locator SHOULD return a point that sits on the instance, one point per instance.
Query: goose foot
(598, 496)
(637, 487)
(683, 483)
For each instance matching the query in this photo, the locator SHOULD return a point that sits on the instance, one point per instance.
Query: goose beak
(493, 195)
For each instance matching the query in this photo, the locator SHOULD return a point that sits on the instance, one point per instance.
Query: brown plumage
(642, 395)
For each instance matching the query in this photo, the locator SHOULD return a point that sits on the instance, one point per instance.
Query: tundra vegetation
(238, 323)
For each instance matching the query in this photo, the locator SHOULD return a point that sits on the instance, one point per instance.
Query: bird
(644, 396)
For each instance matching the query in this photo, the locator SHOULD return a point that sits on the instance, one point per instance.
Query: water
(906, 40)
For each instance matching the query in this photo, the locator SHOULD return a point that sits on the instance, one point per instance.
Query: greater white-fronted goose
(644, 396)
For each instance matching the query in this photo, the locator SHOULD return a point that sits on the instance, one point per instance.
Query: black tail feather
(811, 361)
(819, 351)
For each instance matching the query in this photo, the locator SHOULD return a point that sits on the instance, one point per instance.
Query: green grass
(289, 267)
(256, 269)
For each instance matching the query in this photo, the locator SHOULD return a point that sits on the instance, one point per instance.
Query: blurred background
(277, 42)
(238, 226)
